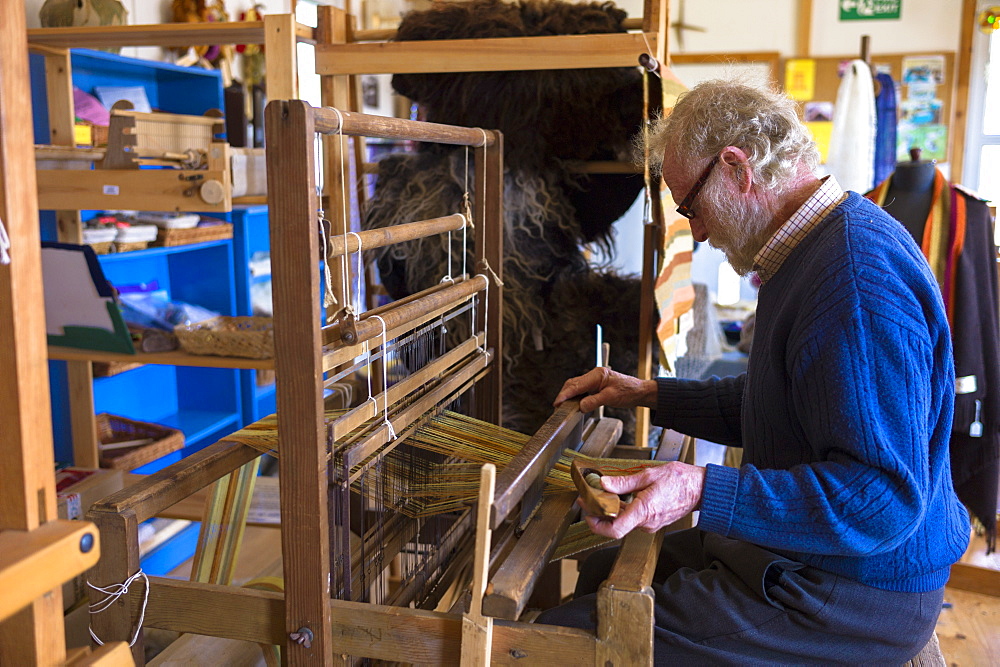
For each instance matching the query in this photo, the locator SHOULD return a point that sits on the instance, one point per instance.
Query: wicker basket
(250, 337)
(103, 248)
(113, 429)
(174, 237)
(129, 246)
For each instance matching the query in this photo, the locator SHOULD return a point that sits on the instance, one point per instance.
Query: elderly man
(833, 541)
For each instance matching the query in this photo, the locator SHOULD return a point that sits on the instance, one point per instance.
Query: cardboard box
(76, 490)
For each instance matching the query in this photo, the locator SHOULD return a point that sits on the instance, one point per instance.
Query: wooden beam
(83, 424)
(280, 48)
(164, 34)
(342, 121)
(477, 629)
(35, 562)
(515, 579)
(441, 394)
(625, 603)
(147, 189)
(332, 28)
(974, 578)
(119, 561)
(305, 522)
(535, 459)
(174, 358)
(27, 482)
(408, 386)
(803, 29)
(489, 253)
(369, 328)
(151, 494)
(383, 236)
(484, 55)
(358, 628)
(109, 655)
(960, 103)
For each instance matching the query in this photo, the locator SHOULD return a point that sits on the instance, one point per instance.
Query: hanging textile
(957, 240)
(885, 131)
(852, 140)
(673, 289)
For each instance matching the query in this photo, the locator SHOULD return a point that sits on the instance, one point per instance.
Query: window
(982, 150)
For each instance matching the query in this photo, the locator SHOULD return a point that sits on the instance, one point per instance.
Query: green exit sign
(860, 10)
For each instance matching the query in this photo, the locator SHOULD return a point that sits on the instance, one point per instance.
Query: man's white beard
(741, 226)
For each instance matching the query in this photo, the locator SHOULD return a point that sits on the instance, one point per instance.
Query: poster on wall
(921, 113)
(859, 10)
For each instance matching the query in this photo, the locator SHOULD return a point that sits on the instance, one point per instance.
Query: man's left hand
(662, 494)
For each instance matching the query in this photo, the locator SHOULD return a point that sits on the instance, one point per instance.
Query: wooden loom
(320, 617)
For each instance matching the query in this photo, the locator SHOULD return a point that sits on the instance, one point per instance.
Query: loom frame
(340, 628)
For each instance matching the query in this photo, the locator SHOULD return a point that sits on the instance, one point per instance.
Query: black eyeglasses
(685, 207)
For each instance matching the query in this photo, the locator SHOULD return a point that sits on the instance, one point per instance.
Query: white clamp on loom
(111, 595)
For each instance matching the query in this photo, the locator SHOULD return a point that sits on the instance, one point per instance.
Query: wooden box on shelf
(127, 444)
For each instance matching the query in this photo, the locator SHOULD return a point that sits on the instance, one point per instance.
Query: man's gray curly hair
(720, 113)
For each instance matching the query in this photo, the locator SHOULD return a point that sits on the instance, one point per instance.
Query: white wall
(144, 12)
(925, 26)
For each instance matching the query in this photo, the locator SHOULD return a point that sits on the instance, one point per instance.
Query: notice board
(925, 84)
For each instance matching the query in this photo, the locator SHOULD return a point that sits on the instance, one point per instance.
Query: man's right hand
(610, 388)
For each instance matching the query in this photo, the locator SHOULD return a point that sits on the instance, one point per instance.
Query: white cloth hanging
(852, 141)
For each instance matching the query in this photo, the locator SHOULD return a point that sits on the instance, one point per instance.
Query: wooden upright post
(335, 91)
(656, 17)
(27, 484)
(489, 260)
(305, 527)
(80, 375)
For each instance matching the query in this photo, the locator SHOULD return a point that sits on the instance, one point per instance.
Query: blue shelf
(168, 556)
(169, 88)
(251, 234)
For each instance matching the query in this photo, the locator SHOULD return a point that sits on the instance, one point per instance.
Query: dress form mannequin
(911, 192)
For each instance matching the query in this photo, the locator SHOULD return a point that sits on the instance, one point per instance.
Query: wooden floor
(969, 625)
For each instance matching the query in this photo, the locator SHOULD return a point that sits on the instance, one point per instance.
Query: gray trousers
(724, 602)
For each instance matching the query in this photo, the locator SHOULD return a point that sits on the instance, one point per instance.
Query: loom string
(4, 245)
(344, 267)
(329, 298)
(385, 385)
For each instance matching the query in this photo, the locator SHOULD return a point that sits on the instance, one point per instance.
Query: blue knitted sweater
(844, 412)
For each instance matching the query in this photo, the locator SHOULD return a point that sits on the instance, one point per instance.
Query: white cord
(361, 267)
(329, 298)
(368, 355)
(4, 245)
(112, 593)
(385, 380)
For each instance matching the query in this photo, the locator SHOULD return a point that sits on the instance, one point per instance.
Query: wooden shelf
(166, 34)
(175, 358)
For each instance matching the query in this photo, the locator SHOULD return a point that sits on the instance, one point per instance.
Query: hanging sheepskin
(550, 119)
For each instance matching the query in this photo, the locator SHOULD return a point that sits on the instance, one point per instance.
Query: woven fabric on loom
(428, 487)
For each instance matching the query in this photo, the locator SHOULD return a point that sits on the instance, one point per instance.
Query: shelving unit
(251, 235)
(38, 552)
(206, 397)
